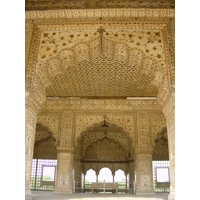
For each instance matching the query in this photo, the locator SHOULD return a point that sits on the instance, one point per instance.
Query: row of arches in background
(105, 174)
(44, 170)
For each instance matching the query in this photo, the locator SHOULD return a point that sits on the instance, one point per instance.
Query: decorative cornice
(88, 4)
(101, 14)
(109, 104)
(104, 161)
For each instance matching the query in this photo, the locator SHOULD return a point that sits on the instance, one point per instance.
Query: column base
(145, 192)
(171, 195)
(28, 195)
(63, 191)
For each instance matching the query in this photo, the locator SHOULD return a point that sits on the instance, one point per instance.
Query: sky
(49, 171)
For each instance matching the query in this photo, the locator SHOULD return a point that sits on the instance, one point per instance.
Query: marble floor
(42, 195)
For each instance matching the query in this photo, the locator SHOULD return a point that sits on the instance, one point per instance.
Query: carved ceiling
(101, 62)
(82, 4)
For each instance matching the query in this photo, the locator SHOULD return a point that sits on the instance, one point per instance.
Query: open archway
(105, 174)
(105, 148)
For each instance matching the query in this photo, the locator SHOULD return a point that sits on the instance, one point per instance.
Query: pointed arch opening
(105, 174)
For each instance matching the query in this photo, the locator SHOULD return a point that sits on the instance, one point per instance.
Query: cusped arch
(115, 51)
(45, 146)
(160, 148)
(89, 167)
(126, 123)
(105, 166)
(42, 132)
(97, 131)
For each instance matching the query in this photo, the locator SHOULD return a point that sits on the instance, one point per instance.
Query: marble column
(126, 180)
(144, 175)
(113, 177)
(169, 112)
(131, 175)
(32, 109)
(97, 177)
(64, 175)
(143, 156)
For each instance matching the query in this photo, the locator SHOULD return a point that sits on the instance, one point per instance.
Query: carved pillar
(64, 176)
(169, 112)
(143, 158)
(126, 180)
(144, 180)
(32, 108)
(65, 159)
(97, 177)
(113, 177)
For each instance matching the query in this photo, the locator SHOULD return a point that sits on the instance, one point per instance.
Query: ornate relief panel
(64, 172)
(104, 14)
(66, 130)
(144, 173)
(143, 130)
(59, 104)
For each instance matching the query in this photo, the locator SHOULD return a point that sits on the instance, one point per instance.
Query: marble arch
(103, 145)
(90, 51)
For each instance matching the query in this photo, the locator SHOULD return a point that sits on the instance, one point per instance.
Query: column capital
(65, 150)
(143, 150)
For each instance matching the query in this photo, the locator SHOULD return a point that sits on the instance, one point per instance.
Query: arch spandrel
(51, 122)
(114, 40)
(125, 122)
